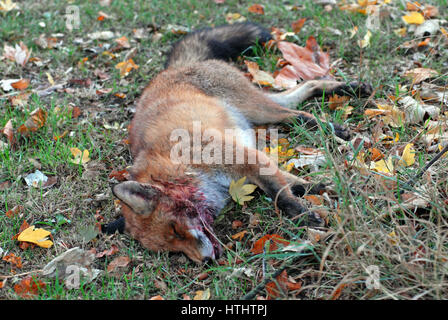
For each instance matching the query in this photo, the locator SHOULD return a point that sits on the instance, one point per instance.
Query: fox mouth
(216, 246)
(207, 242)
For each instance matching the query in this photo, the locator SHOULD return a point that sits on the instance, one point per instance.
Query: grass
(409, 247)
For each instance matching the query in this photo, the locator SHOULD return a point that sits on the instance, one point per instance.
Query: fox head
(169, 217)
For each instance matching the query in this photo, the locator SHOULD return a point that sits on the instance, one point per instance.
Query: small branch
(20, 274)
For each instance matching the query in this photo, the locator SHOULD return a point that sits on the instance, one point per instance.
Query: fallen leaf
(120, 175)
(125, 67)
(297, 25)
(430, 11)
(19, 100)
(19, 54)
(56, 138)
(420, 74)
(101, 35)
(282, 285)
(335, 102)
(14, 211)
(408, 156)
(365, 42)
(13, 259)
(118, 262)
(113, 249)
(8, 5)
(202, 294)
(120, 95)
(240, 192)
(316, 200)
(8, 131)
(21, 84)
(79, 157)
(375, 154)
(413, 110)
(37, 236)
(123, 42)
(87, 233)
(393, 238)
(36, 120)
(427, 29)
(29, 287)
(258, 76)
(239, 236)
(306, 63)
(237, 224)
(256, 8)
(390, 114)
(413, 6)
(274, 241)
(414, 17)
(383, 166)
(313, 161)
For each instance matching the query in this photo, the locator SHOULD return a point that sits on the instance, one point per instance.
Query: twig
(20, 274)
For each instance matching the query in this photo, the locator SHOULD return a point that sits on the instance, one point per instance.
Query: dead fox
(171, 205)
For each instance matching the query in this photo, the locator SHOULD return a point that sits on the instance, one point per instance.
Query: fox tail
(222, 43)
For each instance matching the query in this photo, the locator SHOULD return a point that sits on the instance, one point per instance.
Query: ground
(375, 246)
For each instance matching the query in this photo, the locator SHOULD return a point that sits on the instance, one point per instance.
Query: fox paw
(300, 190)
(361, 89)
(341, 131)
(293, 209)
(313, 219)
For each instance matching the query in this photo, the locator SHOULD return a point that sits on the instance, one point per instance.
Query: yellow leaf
(125, 67)
(393, 239)
(383, 166)
(80, 157)
(365, 42)
(414, 17)
(202, 294)
(408, 157)
(50, 78)
(259, 76)
(440, 150)
(7, 5)
(240, 191)
(36, 236)
(401, 32)
(239, 236)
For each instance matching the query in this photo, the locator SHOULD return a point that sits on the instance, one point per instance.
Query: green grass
(359, 225)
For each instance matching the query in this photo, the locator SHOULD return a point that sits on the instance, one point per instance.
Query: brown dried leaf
(307, 63)
(8, 131)
(274, 239)
(118, 262)
(22, 84)
(13, 259)
(256, 8)
(29, 287)
(297, 25)
(14, 211)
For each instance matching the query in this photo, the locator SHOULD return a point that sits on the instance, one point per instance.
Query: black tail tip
(112, 227)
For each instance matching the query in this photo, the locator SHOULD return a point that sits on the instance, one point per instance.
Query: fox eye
(176, 233)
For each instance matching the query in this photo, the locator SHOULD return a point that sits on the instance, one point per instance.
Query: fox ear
(141, 198)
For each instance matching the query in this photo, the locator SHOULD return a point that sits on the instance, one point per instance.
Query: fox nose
(207, 261)
(203, 244)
